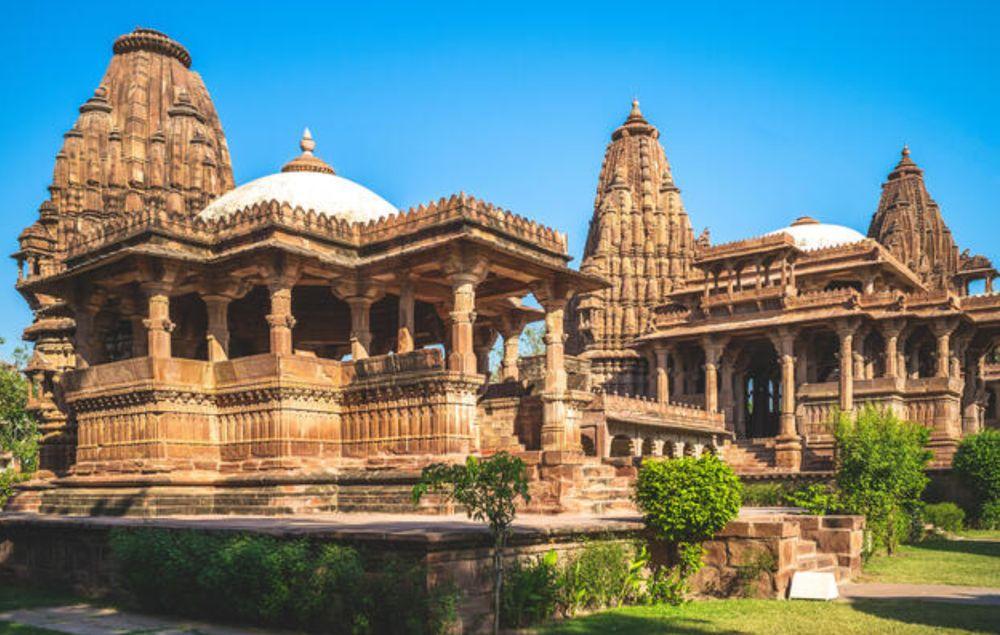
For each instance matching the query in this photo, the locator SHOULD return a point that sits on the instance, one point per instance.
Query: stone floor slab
(983, 596)
(86, 619)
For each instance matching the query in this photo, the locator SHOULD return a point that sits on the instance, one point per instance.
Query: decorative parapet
(670, 413)
(745, 247)
(459, 207)
(425, 359)
(743, 296)
(816, 299)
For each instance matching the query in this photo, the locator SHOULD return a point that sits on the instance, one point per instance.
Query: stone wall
(752, 556)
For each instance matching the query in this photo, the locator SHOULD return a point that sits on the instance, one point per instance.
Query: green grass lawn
(771, 617)
(13, 596)
(939, 561)
(981, 534)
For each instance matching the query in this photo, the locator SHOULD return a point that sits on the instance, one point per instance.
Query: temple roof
(808, 233)
(306, 182)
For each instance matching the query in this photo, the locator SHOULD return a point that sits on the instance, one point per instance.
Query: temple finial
(906, 151)
(307, 161)
(306, 143)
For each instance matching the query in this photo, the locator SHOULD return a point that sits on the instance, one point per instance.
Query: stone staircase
(749, 456)
(807, 558)
(579, 485)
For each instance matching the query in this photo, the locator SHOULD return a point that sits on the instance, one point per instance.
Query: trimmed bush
(765, 494)
(977, 464)
(946, 516)
(604, 574)
(881, 462)
(989, 515)
(263, 580)
(816, 498)
(685, 501)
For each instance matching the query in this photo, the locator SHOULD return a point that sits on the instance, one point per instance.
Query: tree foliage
(488, 489)
(977, 463)
(881, 462)
(686, 501)
(18, 429)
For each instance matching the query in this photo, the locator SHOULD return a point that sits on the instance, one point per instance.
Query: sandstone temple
(298, 344)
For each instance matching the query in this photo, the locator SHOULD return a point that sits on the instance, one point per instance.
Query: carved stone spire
(640, 240)
(148, 137)
(909, 223)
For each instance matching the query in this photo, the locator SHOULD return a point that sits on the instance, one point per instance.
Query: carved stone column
(217, 333)
(404, 335)
(511, 329)
(713, 351)
(942, 331)
(361, 333)
(788, 446)
(662, 374)
(846, 331)
(157, 323)
(280, 319)
(890, 333)
(560, 432)
(726, 391)
(484, 338)
(464, 274)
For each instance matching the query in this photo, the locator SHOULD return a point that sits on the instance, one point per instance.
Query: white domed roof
(809, 233)
(305, 182)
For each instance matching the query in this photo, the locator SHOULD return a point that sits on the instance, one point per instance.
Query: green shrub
(815, 498)
(989, 515)
(946, 516)
(880, 473)
(531, 591)
(765, 494)
(264, 580)
(8, 479)
(686, 501)
(977, 464)
(603, 574)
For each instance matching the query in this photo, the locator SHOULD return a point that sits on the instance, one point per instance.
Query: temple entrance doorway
(761, 383)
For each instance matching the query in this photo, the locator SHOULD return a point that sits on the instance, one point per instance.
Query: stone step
(807, 548)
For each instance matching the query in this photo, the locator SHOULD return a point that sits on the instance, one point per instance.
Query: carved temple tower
(909, 223)
(148, 139)
(640, 240)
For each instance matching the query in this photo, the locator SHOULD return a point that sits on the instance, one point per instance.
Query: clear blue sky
(767, 110)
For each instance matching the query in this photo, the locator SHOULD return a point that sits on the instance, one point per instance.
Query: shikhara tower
(909, 223)
(640, 239)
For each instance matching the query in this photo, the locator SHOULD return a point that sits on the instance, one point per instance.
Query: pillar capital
(783, 340)
(846, 327)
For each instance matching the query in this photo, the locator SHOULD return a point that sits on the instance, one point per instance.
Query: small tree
(977, 463)
(18, 429)
(686, 501)
(488, 489)
(881, 461)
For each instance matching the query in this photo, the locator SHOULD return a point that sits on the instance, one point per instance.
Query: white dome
(324, 193)
(809, 233)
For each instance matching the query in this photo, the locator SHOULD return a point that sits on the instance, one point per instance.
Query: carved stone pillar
(713, 351)
(361, 334)
(890, 333)
(157, 323)
(788, 447)
(484, 338)
(84, 336)
(845, 331)
(511, 330)
(560, 431)
(404, 335)
(462, 357)
(662, 375)
(635, 446)
(280, 319)
(726, 391)
(943, 331)
(217, 333)
(658, 447)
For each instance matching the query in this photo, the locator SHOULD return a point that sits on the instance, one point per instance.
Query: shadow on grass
(19, 595)
(971, 547)
(623, 623)
(918, 611)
